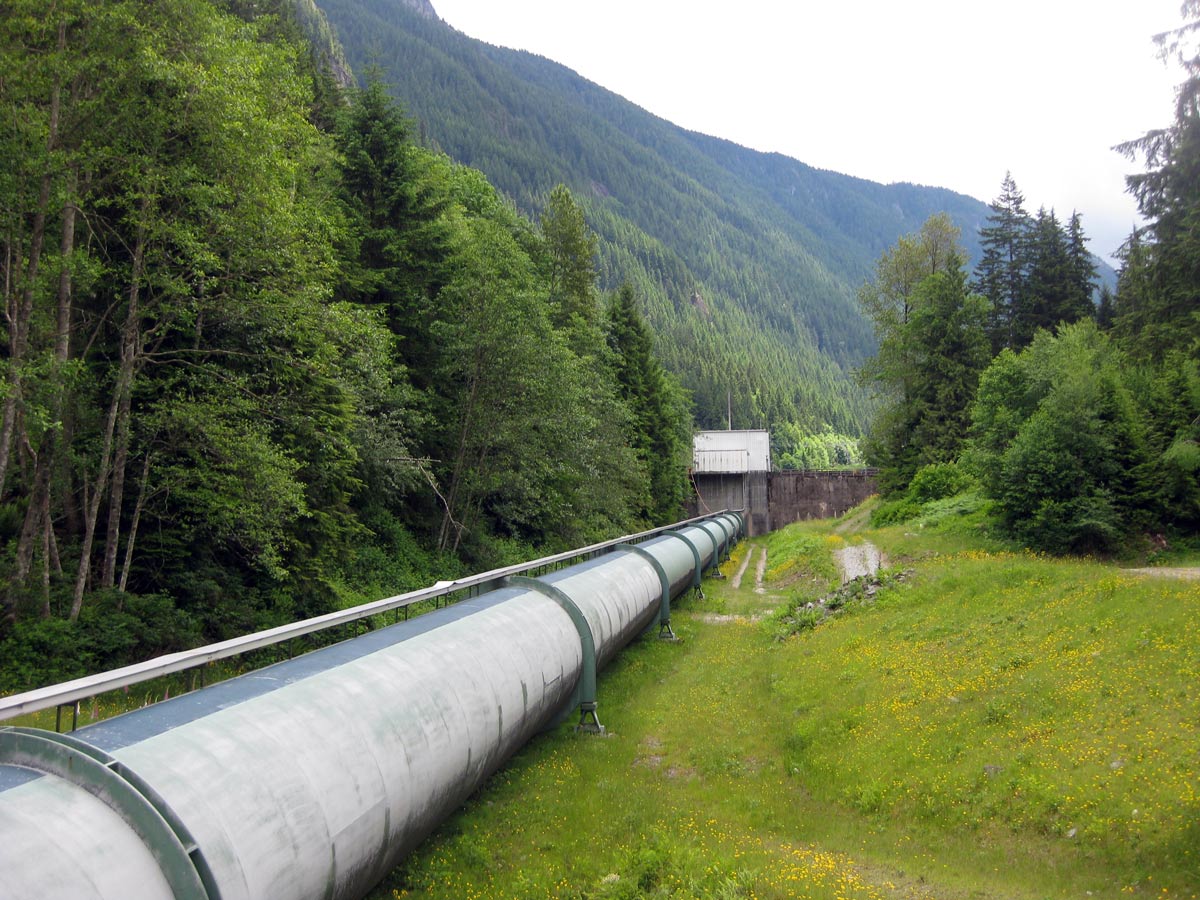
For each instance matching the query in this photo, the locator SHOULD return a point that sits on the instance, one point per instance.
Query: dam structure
(733, 469)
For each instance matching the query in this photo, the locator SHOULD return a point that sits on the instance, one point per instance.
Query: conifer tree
(395, 206)
(1165, 261)
(927, 366)
(570, 265)
(1057, 278)
(660, 429)
(1002, 272)
(1083, 269)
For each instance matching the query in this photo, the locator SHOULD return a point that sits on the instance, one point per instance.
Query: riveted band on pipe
(716, 554)
(718, 543)
(664, 610)
(735, 529)
(733, 533)
(697, 572)
(585, 693)
(741, 522)
(106, 778)
(726, 533)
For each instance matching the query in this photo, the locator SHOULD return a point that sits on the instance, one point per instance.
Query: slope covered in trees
(746, 262)
(263, 354)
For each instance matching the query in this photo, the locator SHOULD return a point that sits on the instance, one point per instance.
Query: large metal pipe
(313, 777)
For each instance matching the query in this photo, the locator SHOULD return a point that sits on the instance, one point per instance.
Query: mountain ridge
(776, 248)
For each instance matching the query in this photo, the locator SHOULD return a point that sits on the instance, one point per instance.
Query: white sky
(952, 93)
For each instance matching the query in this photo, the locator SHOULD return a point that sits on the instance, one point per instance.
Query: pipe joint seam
(664, 611)
(697, 571)
(585, 694)
(117, 786)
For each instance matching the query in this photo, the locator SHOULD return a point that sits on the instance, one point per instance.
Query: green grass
(997, 725)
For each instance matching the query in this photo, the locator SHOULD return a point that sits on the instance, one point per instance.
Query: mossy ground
(997, 725)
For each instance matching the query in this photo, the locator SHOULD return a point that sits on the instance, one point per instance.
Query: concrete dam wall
(772, 500)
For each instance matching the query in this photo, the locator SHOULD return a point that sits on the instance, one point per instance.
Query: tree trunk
(116, 497)
(47, 539)
(130, 356)
(38, 520)
(133, 525)
(120, 402)
(92, 503)
(31, 529)
(19, 319)
(20, 315)
(456, 475)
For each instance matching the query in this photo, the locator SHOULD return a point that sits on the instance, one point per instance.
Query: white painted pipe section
(619, 595)
(312, 778)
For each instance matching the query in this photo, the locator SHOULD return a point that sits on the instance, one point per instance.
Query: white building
(730, 470)
(731, 452)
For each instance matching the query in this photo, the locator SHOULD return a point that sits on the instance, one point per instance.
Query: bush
(1063, 447)
(38, 652)
(938, 481)
(931, 483)
(113, 630)
(893, 512)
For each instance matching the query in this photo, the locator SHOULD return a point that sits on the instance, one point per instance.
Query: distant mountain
(748, 262)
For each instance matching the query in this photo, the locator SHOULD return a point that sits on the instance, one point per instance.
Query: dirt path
(857, 560)
(736, 581)
(759, 572)
(856, 522)
(1189, 574)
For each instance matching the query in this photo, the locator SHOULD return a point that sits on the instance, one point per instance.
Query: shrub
(113, 630)
(931, 483)
(893, 512)
(937, 481)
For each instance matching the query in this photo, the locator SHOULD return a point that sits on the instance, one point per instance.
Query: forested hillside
(747, 262)
(263, 354)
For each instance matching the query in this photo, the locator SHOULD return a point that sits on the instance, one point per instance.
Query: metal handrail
(69, 692)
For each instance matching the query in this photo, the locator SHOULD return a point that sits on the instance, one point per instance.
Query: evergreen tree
(1061, 276)
(927, 366)
(399, 238)
(1106, 309)
(1166, 311)
(660, 431)
(1002, 273)
(570, 265)
(1083, 271)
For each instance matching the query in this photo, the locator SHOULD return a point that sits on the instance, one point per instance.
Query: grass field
(990, 725)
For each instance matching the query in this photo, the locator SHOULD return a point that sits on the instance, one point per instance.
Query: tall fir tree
(1083, 269)
(395, 207)
(1165, 314)
(660, 424)
(570, 264)
(1002, 273)
(928, 362)
(1061, 276)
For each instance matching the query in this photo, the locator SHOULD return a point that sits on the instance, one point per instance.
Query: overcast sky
(951, 93)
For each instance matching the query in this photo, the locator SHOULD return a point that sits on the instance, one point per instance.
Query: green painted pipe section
(716, 554)
(726, 535)
(698, 574)
(585, 693)
(117, 787)
(664, 612)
